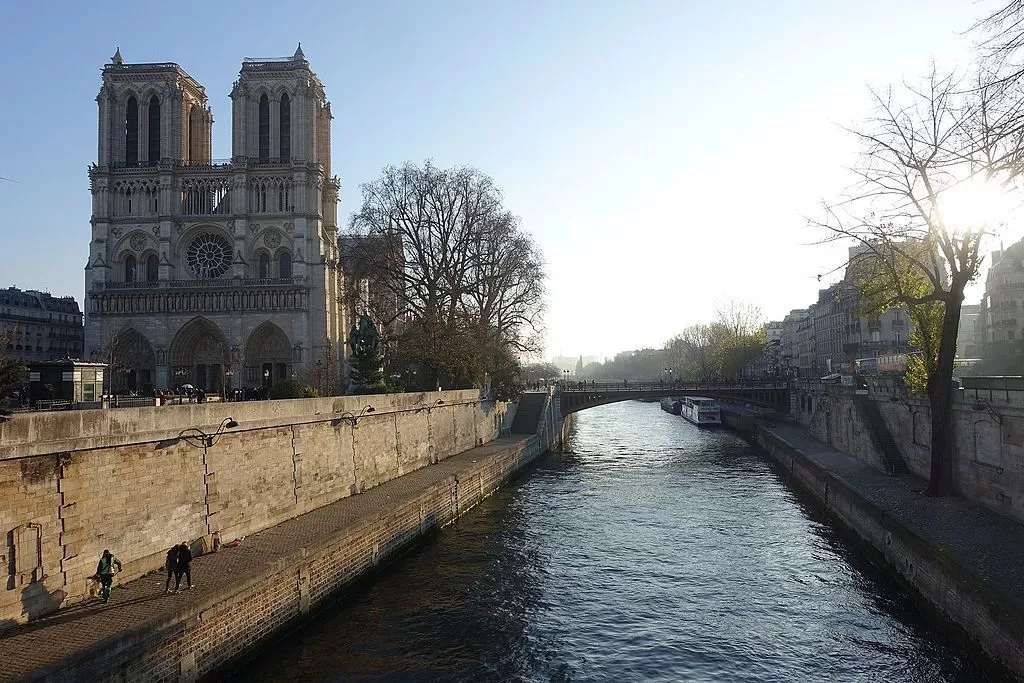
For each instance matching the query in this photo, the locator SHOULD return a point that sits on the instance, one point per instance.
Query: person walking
(105, 573)
(183, 566)
(171, 565)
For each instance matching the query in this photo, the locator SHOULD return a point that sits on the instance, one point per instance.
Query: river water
(649, 551)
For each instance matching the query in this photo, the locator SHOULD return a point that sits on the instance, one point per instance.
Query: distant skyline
(664, 154)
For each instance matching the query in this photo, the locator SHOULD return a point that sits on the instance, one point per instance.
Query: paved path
(980, 540)
(44, 642)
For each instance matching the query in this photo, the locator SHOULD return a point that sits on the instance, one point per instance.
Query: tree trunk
(940, 395)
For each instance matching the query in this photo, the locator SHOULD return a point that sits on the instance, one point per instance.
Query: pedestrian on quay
(105, 573)
(183, 566)
(171, 565)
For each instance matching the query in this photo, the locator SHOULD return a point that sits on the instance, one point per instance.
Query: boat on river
(701, 411)
(671, 404)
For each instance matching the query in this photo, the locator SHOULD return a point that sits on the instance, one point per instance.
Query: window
(154, 129)
(131, 132)
(284, 265)
(285, 125)
(88, 392)
(129, 269)
(152, 268)
(264, 128)
(194, 135)
(264, 269)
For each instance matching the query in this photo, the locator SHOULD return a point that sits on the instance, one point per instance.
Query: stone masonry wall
(988, 449)
(73, 483)
(203, 638)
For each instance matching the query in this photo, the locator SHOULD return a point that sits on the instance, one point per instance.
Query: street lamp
(228, 374)
(194, 436)
(347, 415)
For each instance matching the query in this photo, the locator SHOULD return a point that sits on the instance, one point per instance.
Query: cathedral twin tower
(205, 272)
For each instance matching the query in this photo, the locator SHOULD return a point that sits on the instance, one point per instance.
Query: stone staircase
(529, 412)
(880, 435)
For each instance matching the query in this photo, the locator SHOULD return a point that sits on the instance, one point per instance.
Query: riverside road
(650, 550)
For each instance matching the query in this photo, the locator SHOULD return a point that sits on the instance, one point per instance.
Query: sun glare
(975, 203)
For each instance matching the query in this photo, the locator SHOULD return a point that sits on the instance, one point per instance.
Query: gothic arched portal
(268, 355)
(199, 356)
(132, 363)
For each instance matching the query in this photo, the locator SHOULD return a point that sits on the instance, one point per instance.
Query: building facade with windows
(36, 326)
(1002, 312)
(215, 273)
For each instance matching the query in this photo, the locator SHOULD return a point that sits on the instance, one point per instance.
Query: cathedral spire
(298, 53)
(117, 58)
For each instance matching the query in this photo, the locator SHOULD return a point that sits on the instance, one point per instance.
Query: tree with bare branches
(454, 282)
(933, 154)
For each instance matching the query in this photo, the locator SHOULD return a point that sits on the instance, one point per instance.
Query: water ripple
(650, 551)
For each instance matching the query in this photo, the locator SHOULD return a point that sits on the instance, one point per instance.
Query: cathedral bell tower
(151, 113)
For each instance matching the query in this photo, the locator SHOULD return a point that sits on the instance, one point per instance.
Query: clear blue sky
(664, 154)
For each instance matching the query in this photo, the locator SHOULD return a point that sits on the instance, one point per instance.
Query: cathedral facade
(220, 274)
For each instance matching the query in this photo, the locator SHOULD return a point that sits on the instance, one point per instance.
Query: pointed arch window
(285, 123)
(129, 269)
(194, 134)
(284, 261)
(264, 268)
(264, 128)
(154, 129)
(152, 268)
(131, 131)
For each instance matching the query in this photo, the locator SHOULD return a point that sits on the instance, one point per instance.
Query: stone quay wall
(73, 483)
(204, 639)
(988, 447)
(988, 616)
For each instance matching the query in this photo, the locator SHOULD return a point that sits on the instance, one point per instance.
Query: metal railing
(656, 385)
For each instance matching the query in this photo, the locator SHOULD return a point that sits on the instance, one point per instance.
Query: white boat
(701, 411)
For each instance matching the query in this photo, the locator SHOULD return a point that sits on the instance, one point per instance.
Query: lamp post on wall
(200, 439)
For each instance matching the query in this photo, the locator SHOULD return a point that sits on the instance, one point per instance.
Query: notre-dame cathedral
(215, 273)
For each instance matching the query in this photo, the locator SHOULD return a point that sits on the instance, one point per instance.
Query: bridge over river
(576, 396)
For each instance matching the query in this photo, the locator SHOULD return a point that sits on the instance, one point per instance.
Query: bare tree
(924, 145)
(451, 274)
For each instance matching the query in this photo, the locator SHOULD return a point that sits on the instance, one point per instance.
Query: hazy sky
(664, 154)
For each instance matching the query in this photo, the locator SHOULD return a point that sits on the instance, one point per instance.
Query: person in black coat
(171, 565)
(183, 566)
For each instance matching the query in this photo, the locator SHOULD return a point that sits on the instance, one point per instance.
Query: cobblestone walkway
(43, 643)
(978, 539)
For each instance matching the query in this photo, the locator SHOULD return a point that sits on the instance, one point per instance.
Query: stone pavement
(980, 540)
(44, 642)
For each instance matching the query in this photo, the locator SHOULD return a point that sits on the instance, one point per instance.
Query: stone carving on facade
(272, 238)
(115, 231)
(236, 354)
(156, 230)
(137, 241)
(161, 355)
(297, 353)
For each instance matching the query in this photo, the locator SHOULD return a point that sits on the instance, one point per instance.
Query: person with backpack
(171, 565)
(105, 573)
(183, 566)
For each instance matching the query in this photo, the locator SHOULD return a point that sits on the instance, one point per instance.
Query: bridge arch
(580, 396)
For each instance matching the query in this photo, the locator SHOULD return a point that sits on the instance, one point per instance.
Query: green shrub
(290, 387)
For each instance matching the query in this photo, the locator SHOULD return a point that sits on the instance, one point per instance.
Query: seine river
(649, 551)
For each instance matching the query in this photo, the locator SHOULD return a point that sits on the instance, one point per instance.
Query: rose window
(208, 256)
